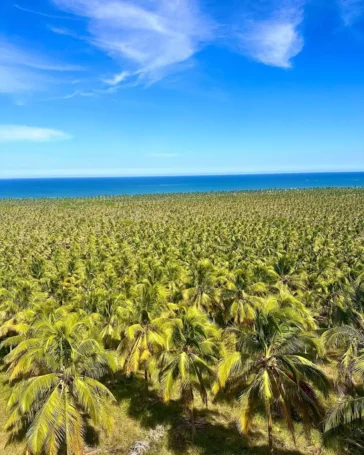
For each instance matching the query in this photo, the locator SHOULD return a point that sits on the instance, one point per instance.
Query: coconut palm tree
(144, 337)
(54, 369)
(272, 364)
(240, 294)
(285, 271)
(348, 413)
(201, 289)
(356, 292)
(187, 362)
(344, 343)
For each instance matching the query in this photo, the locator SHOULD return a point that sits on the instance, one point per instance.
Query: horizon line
(60, 177)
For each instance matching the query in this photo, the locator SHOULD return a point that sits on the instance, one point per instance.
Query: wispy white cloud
(150, 39)
(273, 38)
(118, 78)
(147, 38)
(19, 80)
(41, 13)
(21, 133)
(14, 55)
(62, 31)
(68, 96)
(23, 70)
(162, 155)
(351, 10)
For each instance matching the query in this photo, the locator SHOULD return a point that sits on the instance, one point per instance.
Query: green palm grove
(252, 298)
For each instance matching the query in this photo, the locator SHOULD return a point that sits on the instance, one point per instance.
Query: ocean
(112, 186)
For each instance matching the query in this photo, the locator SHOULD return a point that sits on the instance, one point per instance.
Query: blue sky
(174, 87)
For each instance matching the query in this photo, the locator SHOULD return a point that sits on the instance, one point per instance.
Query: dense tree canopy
(254, 297)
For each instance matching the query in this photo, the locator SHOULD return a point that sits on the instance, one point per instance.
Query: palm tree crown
(58, 363)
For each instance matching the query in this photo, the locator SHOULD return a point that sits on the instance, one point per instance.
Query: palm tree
(112, 314)
(201, 290)
(17, 322)
(285, 271)
(271, 364)
(141, 343)
(241, 294)
(346, 343)
(187, 362)
(356, 292)
(286, 300)
(144, 338)
(54, 370)
(349, 411)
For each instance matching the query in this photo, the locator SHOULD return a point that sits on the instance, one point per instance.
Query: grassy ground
(135, 415)
(13, 449)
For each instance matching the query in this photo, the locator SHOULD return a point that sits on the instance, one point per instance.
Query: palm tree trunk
(270, 432)
(146, 380)
(270, 439)
(192, 420)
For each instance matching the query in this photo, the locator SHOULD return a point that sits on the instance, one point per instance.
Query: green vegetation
(233, 320)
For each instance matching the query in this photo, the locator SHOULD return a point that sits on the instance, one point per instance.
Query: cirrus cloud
(351, 10)
(147, 38)
(22, 133)
(272, 38)
(11, 55)
(24, 70)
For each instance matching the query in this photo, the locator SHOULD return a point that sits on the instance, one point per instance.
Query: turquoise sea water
(83, 187)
